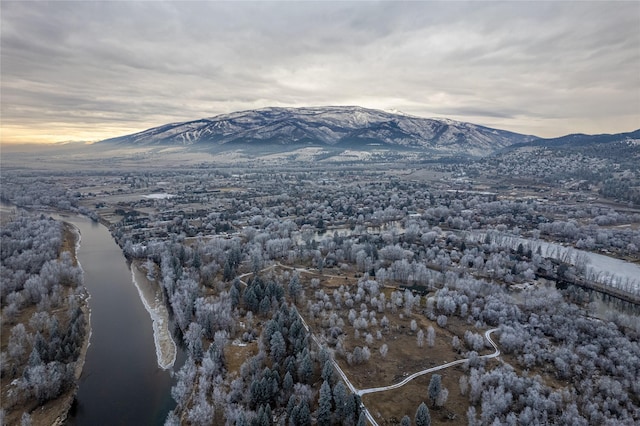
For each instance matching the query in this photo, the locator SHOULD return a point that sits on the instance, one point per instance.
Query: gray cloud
(105, 68)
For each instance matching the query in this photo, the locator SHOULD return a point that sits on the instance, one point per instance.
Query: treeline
(30, 190)
(42, 292)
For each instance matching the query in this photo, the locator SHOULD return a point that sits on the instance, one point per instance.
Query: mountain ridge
(581, 139)
(329, 126)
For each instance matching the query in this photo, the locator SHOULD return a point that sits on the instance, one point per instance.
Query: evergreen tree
(242, 420)
(265, 305)
(287, 382)
(305, 368)
(227, 273)
(350, 409)
(34, 358)
(234, 293)
(40, 346)
(263, 418)
(251, 300)
(304, 414)
(327, 371)
(278, 346)
(422, 416)
(324, 405)
(435, 387)
(339, 399)
(295, 288)
(268, 414)
(293, 415)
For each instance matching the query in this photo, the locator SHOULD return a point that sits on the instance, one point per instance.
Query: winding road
(361, 392)
(487, 334)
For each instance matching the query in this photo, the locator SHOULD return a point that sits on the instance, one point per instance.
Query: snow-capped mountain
(333, 126)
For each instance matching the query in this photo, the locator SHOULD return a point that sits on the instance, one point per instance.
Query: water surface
(121, 382)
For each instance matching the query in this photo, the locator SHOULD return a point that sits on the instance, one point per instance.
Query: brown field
(236, 355)
(404, 357)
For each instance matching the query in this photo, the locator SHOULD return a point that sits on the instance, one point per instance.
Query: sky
(86, 71)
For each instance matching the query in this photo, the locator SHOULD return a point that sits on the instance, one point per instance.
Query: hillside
(342, 127)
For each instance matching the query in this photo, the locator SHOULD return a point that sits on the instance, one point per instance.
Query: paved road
(487, 334)
(342, 374)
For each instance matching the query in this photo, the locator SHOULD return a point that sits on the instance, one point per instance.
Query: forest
(299, 294)
(43, 322)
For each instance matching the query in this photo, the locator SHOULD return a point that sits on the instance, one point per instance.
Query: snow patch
(152, 300)
(159, 196)
(78, 234)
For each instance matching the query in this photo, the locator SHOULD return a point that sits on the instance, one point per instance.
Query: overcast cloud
(91, 70)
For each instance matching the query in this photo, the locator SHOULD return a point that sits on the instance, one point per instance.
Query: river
(597, 267)
(121, 381)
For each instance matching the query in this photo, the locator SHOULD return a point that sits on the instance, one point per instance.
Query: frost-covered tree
(384, 349)
(442, 397)
(435, 388)
(455, 343)
(278, 346)
(340, 400)
(324, 405)
(327, 371)
(423, 418)
(464, 384)
(431, 336)
(25, 420)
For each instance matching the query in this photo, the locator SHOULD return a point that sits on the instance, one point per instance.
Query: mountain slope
(332, 126)
(579, 140)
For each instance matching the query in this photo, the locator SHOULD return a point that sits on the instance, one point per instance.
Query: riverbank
(604, 272)
(64, 403)
(152, 299)
(55, 411)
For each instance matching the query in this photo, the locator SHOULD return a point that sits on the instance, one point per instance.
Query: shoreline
(64, 403)
(166, 350)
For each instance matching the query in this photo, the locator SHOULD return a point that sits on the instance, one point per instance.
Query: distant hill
(577, 140)
(337, 126)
